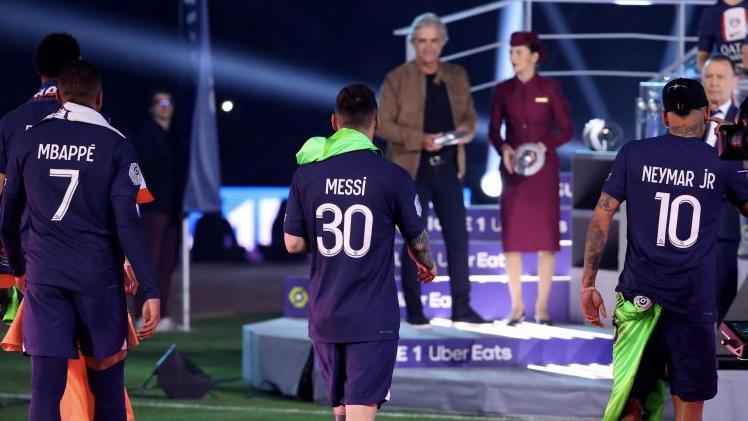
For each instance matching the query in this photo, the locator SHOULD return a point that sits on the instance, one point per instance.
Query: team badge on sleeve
(417, 204)
(135, 175)
(144, 195)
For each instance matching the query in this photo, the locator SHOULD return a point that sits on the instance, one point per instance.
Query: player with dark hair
(52, 54)
(344, 204)
(78, 178)
(665, 311)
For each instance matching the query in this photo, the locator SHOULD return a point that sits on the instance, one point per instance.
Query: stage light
(601, 135)
(633, 2)
(137, 49)
(227, 106)
(591, 371)
(490, 183)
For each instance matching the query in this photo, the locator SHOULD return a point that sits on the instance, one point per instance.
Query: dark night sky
(336, 41)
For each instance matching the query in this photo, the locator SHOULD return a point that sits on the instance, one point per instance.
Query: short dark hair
(356, 106)
(55, 51)
(722, 58)
(79, 81)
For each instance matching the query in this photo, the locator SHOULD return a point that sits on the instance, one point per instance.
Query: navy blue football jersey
(14, 124)
(75, 174)
(347, 207)
(673, 188)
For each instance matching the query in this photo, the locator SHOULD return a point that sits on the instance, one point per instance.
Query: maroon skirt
(530, 209)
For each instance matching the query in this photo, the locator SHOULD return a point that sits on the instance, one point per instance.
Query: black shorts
(683, 353)
(57, 321)
(358, 373)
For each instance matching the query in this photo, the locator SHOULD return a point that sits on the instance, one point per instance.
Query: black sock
(108, 387)
(48, 379)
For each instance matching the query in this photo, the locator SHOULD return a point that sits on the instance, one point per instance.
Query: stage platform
(277, 356)
(469, 369)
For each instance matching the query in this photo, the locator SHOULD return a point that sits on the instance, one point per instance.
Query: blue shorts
(56, 321)
(358, 373)
(683, 353)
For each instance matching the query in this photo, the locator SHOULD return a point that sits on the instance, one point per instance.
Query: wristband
(587, 289)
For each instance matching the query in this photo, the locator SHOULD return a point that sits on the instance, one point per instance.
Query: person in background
(421, 100)
(720, 82)
(534, 110)
(722, 30)
(157, 152)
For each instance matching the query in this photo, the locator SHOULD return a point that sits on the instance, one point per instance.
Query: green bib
(345, 140)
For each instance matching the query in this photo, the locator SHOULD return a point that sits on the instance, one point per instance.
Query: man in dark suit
(720, 81)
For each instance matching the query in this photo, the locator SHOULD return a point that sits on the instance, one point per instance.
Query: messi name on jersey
(345, 186)
(53, 151)
(676, 177)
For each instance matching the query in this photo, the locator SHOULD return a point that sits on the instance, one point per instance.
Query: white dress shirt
(720, 112)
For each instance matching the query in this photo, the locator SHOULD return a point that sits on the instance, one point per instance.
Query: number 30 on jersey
(343, 238)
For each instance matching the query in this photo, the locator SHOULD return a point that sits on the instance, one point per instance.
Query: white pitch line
(382, 414)
(271, 409)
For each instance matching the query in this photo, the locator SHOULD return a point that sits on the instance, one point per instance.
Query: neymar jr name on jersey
(676, 177)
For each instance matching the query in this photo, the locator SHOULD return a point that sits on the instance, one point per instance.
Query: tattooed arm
(597, 236)
(420, 251)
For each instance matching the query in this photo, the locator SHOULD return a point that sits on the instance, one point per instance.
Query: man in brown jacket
(421, 100)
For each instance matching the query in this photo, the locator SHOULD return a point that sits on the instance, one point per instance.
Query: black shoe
(419, 321)
(515, 322)
(469, 316)
(547, 322)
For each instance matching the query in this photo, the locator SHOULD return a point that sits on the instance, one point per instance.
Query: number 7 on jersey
(73, 175)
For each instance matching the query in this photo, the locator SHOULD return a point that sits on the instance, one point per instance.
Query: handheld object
(734, 337)
(450, 138)
(529, 159)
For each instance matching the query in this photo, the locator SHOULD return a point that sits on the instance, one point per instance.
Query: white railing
(680, 38)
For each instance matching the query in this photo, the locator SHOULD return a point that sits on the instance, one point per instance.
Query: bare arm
(744, 209)
(597, 235)
(420, 251)
(295, 245)
(701, 57)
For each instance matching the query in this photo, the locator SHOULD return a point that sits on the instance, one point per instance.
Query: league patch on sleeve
(135, 176)
(417, 204)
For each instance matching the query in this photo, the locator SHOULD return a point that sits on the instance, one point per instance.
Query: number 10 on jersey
(669, 226)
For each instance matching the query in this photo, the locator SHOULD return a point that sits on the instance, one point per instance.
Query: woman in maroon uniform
(535, 111)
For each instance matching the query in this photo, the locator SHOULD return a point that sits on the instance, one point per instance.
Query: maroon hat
(529, 39)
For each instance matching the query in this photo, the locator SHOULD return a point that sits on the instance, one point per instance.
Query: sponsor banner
(486, 258)
(501, 352)
(489, 296)
(564, 189)
(484, 224)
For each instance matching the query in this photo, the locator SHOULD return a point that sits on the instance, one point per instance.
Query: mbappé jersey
(75, 175)
(347, 208)
(673, 188)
